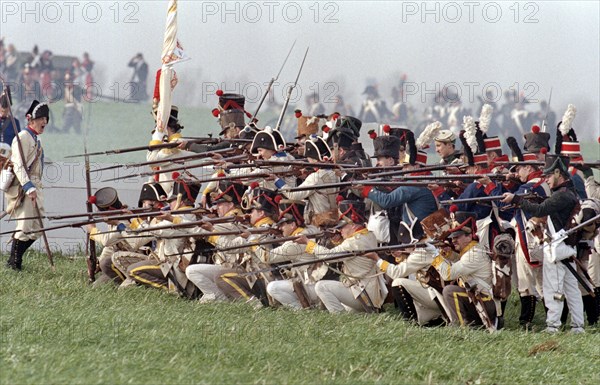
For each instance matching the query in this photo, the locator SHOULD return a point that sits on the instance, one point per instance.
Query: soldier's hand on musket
(165, 217)
(484, 181)
(271, 177)
(301, 240)
(207, 226)
(217, 156)
(183, 144)
(373, 256)
(507, 197)
(433, 186)
(245, 234)
(33, 196)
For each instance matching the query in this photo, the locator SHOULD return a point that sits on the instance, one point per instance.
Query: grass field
(56, 329)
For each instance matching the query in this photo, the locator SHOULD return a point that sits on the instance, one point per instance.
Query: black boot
(22, 247)
(590, 306)
(527, 311)
(11, 263)
(404, 303)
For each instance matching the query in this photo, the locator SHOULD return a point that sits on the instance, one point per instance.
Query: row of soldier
(320, 198)
(314, 224)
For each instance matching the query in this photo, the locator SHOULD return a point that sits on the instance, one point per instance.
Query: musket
(218, 233)
(111, 218)
(370, 182)
(547, 111)
(586, 164)
(574, 229)
(186, 224)
(173, 169)
(273, 80)
(267, 242)
(428, 168)
(92, 258)
(524, 163)
(179, 159)
(25, 169)
(434, 178)
(294, 163)
(494, 198)
(153, 147)
(338, 256)
(244, 176)
(289, 93)
(96, 214)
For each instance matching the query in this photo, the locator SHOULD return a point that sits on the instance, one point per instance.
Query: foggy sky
(364, 42)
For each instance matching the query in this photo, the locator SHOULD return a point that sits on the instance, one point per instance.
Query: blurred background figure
(139, 78)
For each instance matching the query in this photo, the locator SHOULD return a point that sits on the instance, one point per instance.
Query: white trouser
(203, 276)
(337, 297)
(558, 281)
(529, 278)
(283, 292)
(426, 308)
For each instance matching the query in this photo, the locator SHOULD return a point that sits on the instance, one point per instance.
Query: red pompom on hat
(386, 128)
(339, 198)
(599, 139)
(215, 112)
(372, 134)
(298, 114)
(92, 199)
(543, 150)
(335, 116)
(219, 92)
(535, 129)
(453, 208)
(278, 199)
(254, 185)
(175, 175)
(325, 129)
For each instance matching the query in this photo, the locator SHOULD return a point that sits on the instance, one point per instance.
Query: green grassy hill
(56, 329)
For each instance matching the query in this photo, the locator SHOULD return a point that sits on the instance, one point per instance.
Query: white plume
(485, 118)
(428, 134)
(470, 132)
(567, 119)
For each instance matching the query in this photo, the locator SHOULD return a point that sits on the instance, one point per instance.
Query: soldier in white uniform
(416, 298)
(227, 200)
(362, 288)
(26, 191)
(172, 135)
(299, 291)
(473, 269)
(235, 283)
(171, 243)
(321, 207)
(116, 239)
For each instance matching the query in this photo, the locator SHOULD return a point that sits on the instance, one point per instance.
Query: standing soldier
(559, 284)
(528, 246)
(26, 191)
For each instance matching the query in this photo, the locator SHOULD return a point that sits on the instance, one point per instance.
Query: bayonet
(289, 93)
